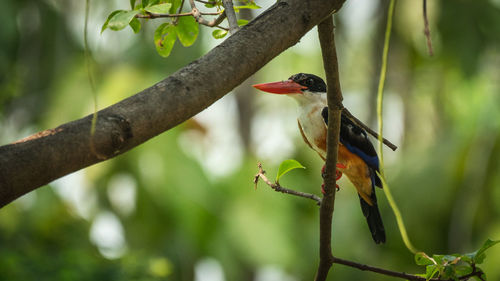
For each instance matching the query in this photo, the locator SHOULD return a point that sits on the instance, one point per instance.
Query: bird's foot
(323, 188)
(341, 166)
(338, 175)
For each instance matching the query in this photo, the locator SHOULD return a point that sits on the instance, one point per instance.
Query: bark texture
(37, 160)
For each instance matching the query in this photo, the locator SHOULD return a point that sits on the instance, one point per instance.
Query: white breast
(313, 126)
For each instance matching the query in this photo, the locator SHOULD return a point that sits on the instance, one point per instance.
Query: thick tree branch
(34, 162)
(334, 97)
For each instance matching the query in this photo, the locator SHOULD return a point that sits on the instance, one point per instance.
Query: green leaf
(187, 30)
(430, 271)
(448, 272)
(105, 25)
(135, 24)
(175, 5)
(121, 19)
(480, 255)
(250, 5)
(219, 33)
(286, 166)
(132, 4)
(462, 270)
(164, 37)
(442, 259)
(422, 259)
(147, 3)
(159, 8)
(242, 22)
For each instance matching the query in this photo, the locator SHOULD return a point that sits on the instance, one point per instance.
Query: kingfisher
(356, 157)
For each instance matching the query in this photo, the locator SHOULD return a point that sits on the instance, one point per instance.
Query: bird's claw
(337, 187)
(338, 175)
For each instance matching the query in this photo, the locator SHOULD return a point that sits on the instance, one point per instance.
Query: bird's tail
(374, 219)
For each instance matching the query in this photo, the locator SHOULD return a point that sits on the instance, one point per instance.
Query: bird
(356, 157)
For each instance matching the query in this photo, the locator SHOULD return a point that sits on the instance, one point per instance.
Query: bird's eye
(310, 81)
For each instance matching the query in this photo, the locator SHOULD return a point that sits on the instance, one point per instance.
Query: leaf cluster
(456, 266)
(177, 26)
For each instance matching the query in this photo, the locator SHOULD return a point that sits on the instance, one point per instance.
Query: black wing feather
(356, 140)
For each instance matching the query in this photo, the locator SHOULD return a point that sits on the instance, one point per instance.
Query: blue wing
(354, 138)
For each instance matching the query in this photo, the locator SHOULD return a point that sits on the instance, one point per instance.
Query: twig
(402, 275)
(334, 100)
(176, 20)
(154, 16)
(206, 2)
(211, 14)
(427, 31)
(370, 131)
(198, 16)
(231, 16)
(195, 13)
(277, 187)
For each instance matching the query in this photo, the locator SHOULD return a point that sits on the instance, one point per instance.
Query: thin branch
(154, 16)
(370, 131)
(222, 27)
(402, 275)
(215, 22)
(231, 16)
(277, 187)
(206, 2)
(176, 20)
(427, 31)
(211, 14)
(198, 16)
(334, 100)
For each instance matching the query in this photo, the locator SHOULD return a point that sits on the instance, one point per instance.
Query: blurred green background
(183, 207)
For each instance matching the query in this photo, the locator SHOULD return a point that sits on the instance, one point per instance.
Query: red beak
(282, 87)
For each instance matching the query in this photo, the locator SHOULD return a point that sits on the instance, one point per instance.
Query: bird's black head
(312, 82)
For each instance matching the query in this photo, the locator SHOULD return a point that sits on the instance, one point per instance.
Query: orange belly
(357, 171)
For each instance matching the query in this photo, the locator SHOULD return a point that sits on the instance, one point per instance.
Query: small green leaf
(164, 37)
(442, 259)
(175, 5)
(422, 259)
(159, 8)
(469, 258)
(120, 20)
(147, 3)
(250, 5)
(430, 271)
(219, 33)
(480, 255)
(462, 270)
(135, 24)
(286, 166)
(448, 273)
(242, 22)
(187, 30)
(105, 25)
